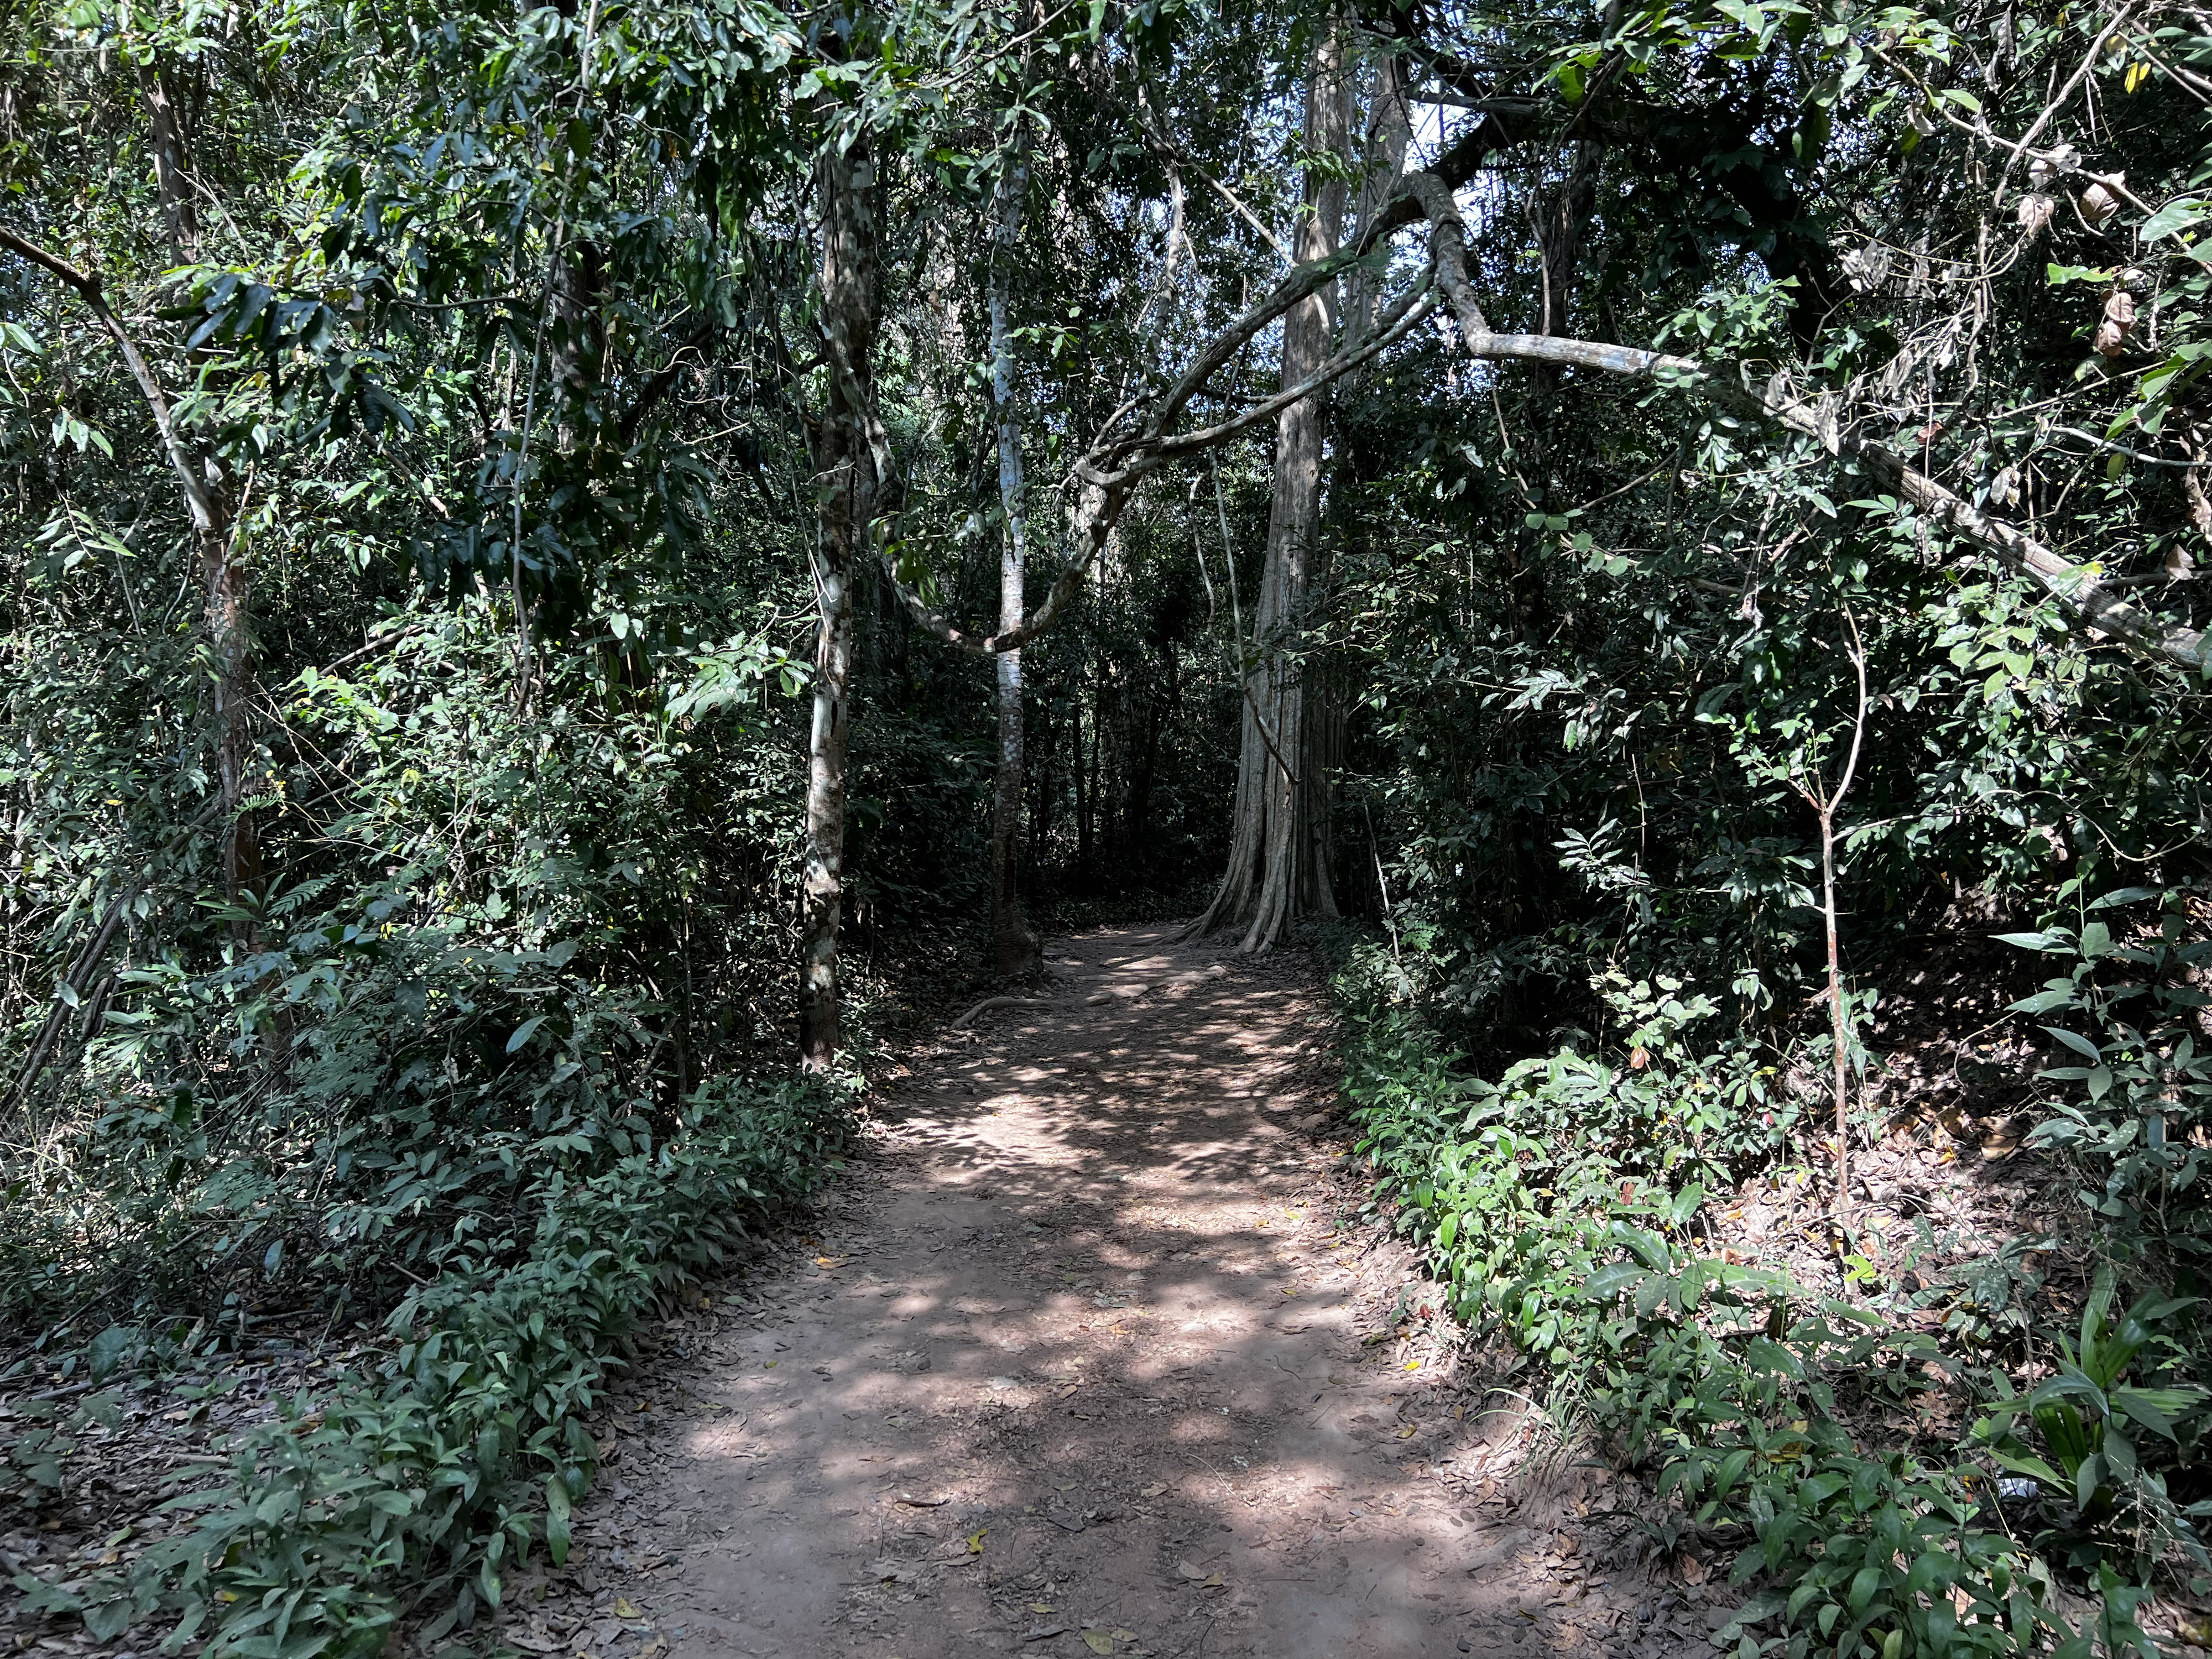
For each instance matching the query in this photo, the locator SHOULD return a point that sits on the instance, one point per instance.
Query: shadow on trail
(1077, 1370)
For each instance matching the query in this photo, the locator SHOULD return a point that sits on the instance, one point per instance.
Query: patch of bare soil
(1087, 1355)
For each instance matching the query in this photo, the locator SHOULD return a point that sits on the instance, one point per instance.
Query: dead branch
(990, 1003)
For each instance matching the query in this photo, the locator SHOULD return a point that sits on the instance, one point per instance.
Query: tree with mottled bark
(1017, 949)
(1277, 856)
(844, 483)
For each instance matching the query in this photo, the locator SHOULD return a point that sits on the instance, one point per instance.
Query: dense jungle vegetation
(569, 567)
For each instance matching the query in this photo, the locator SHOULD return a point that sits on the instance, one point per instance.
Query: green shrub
(1510, 1188)
(1858, 1554)
(1560, 1202)
(416, 1484)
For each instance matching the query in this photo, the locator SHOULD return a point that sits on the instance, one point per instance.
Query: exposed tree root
(990, 1003)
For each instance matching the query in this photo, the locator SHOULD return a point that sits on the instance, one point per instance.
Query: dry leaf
(624, 1608)
(2059, 158)
(2099, 204)
(908, 1498)
(1154, 1490)
(1040, 1607)
(1190, 1572)
(976, 1540)
(1097, 1641)
(2119, 320)
(2034, 211)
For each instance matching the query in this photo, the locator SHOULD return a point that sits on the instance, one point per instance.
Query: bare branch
(2089, 602)
(206, 515)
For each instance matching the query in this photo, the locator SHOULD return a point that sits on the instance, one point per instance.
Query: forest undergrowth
(1955, 1413)
(567, 567)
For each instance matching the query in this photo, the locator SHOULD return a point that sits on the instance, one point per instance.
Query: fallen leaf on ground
(625, 1609)
(976, 1540)
(1154, 1490)
(1040, 1607)
(1097, 1641)
(908, 1498)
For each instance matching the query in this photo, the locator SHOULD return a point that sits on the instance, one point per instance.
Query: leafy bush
(416, 1484)
(2145, 1096)
(1510, 1187)
(1884, 1555)
(2100, 1501)
(1547, 1201)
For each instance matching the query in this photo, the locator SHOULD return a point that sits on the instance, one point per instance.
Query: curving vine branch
(1100, 484)
(2089, 602)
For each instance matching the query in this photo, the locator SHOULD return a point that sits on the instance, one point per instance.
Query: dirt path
(1075, 1364)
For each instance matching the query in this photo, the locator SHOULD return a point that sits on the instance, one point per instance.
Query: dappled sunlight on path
(1076, 1366)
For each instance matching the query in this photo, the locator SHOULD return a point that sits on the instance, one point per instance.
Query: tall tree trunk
(1274, 872)
(1017, 950)
(1079, 773)
(224, 579)
(1389, 131)
(845, 488)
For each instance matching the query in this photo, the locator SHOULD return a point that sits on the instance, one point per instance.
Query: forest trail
(1075, 1364)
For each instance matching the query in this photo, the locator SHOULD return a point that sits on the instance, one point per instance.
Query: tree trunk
(845, 488)
(224, 578)
(1079, 773)
(1017, 950)
(172, 164)
(1277, 869)
(229, 590)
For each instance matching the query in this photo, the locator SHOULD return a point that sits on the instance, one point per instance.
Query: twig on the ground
(988, 1003)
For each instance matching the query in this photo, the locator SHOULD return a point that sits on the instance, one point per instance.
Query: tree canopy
(561, 555)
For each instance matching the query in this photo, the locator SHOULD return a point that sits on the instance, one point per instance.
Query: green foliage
(2145, 1088)
(2085, 1425)
(1725, 1379)
(420, 944)
(1513, 1187)
(414, 1485)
